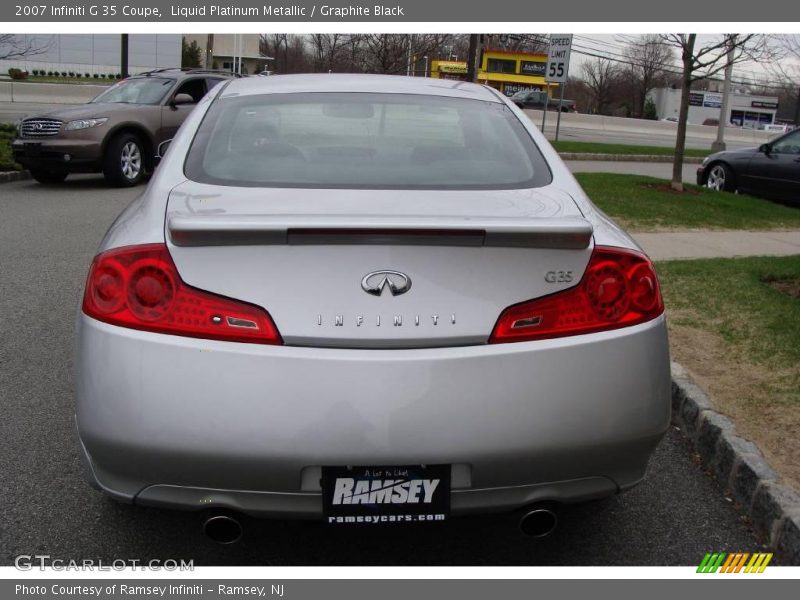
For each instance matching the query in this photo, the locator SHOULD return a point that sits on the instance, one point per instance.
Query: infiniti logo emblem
(374, 283)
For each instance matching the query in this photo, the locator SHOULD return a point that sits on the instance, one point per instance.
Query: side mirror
(161, 151)
(182, 99)
(765, 148)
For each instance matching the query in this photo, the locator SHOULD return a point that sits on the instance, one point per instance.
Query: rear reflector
(619, 288)
(139, 287)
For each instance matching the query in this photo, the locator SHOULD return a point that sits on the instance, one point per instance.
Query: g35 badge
(558, 276)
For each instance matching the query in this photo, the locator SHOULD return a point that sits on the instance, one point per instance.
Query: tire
(48, 177)
(720, 177)
(124, 164)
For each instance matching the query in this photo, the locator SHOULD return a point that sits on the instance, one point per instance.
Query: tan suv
(118, 132)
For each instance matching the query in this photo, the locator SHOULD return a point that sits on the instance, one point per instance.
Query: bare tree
(280, 50)
(297, 56)
(385, 52)
(600, 76)
(516, 42)
(435, 45)
(329, 51)
(289, 51)
(650, 57)
(703, 62)
(580, 93)
(788, 73)
(21, 46)
(390, 53)
(454, 47)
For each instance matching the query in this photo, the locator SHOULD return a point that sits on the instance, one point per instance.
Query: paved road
(47, 238)
(645, 138)
(11, 112)
(615, 130)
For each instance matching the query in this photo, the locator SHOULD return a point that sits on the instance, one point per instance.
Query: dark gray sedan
(772, 170)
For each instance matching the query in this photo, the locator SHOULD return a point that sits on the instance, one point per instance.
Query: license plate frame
(386, 494)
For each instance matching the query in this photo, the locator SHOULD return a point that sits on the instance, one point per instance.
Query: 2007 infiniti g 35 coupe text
(367, 298)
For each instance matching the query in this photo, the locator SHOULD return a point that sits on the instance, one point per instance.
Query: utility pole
(235, 40)
(210, 51)
(241, 52)
(719, 144)
(472, 57)
(123, 59)
(408, 57)
(797, 110)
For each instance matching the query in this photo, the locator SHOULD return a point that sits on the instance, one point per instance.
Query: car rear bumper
(701, 177)
(187, 423)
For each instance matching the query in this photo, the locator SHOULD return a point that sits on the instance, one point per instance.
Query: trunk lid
(378, 268)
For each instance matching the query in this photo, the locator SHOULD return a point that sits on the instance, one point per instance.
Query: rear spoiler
(235, 230)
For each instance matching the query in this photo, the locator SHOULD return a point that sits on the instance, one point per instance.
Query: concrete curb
(773, 508)
(650, 158)
(9, 176)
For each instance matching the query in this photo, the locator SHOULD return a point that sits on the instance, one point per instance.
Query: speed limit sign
(558, 58)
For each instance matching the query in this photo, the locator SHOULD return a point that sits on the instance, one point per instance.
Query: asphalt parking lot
(47, 238)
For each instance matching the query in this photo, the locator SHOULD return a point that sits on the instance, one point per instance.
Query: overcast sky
(612, 46)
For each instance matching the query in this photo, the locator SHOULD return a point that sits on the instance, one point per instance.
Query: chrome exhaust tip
(539, 521)
(223, 529)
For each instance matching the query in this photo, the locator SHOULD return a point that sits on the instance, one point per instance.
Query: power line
(585, 48)
(668, 68)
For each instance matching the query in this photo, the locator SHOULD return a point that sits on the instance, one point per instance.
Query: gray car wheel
(124, 160)
(720, 177)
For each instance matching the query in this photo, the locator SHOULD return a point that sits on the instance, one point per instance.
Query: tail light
(139, 287)
(618, 289)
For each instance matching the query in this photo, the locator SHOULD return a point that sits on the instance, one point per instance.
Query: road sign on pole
(558, 58)
(557, 69)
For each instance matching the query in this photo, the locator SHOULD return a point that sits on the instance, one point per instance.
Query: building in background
(449, 69)
(96, 53)
(746, 110)
(222, 50)
(506, 71)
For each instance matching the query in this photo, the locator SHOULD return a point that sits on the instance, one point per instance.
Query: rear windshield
(363, 140)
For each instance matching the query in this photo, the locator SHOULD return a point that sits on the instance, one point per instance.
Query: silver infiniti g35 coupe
(367, 299)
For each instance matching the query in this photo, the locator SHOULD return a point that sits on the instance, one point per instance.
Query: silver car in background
(367, 299)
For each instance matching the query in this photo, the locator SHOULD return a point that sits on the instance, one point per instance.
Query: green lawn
(6, 159)
(647, 203)
(735, 324)
(593, 148)
(751, 303)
